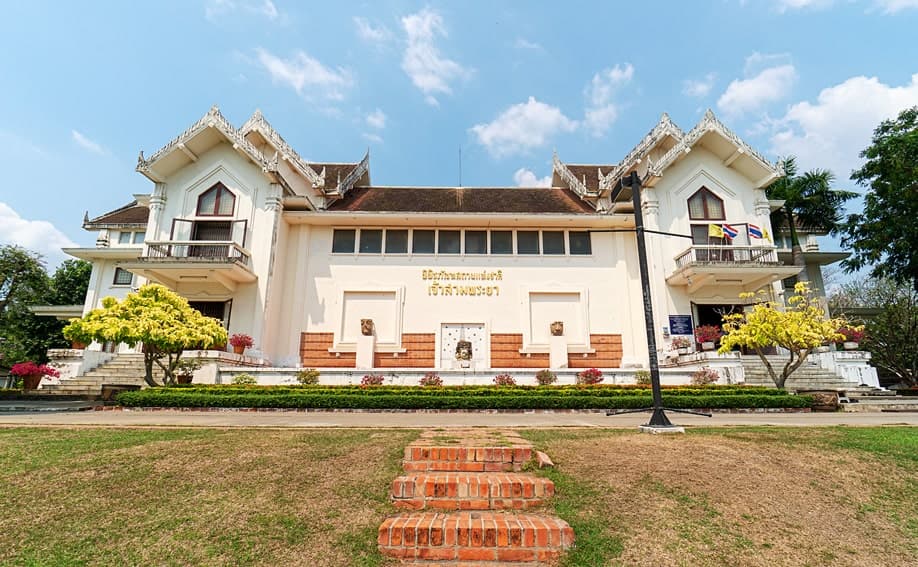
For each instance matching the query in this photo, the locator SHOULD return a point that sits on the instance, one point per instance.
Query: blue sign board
(681, 325)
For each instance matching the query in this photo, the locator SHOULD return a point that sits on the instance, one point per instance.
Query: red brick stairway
(465, 497)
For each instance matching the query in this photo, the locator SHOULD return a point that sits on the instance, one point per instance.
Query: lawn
(726, 496)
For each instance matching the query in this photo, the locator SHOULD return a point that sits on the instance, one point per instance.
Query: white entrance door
(451, 334)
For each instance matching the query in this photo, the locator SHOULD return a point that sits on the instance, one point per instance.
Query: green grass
(195, 497)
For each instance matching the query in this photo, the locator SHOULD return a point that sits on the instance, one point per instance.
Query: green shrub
(642, 377)
(244, 379)
(308, 376)
(415, 399)
(546, 377)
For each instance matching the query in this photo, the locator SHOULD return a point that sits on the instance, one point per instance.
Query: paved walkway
(423, 420)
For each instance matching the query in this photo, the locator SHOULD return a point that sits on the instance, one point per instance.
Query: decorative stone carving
(557, 329)
(463, 350)
(367, 327)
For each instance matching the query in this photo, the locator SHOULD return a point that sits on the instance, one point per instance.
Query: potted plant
(184, 370)
(32, 373)
(708, 335)
(682, 345)
(853, 336)
(240, 342)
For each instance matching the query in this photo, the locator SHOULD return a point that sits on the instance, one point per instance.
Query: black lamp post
(658, 419)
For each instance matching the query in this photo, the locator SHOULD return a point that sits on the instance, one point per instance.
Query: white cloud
(601, 112)
(893, 6)
(698, 87)
(216, 9)
(306, 75)
(786, 5)
(376, 119)
(831, 132)
(430, 71)
(526, 178)
(375, 138)
(522, 127)
(769, 78)
(38, 235)
(368, 32)
(87, 144)
(523, 43)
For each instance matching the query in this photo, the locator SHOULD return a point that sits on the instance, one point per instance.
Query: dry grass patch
(214, 497)
(728, 497)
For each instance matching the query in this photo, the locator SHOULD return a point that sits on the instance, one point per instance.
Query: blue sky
(88, 85)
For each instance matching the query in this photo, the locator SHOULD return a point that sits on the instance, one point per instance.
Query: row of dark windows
(472, 242)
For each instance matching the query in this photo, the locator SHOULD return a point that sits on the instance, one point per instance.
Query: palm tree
(810, 203)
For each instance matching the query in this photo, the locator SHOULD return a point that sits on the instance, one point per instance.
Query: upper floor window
(218, 201)
(704, 205)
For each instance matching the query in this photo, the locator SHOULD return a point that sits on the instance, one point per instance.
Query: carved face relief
(557, 329)
(463, 350)
(366, 327)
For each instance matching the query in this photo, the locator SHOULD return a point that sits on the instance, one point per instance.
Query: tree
(155, 317)
(26, 336)
(883, 236)
(23, 282)
(892, 333)
(22, 276)
(799, 327)
(810, 203)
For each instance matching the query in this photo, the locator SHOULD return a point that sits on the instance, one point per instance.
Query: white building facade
(323, 269)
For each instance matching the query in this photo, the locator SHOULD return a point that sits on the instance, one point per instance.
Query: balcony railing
(719, 255)
(197, 251)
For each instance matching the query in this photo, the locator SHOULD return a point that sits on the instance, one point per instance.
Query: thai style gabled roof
(213, 119)
(130, 215)
(582, 179)
(683, 145)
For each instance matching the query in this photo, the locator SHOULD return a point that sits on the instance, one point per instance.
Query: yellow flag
(715, 231)
(766, 235)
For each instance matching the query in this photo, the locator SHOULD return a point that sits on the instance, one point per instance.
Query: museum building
(325, 269)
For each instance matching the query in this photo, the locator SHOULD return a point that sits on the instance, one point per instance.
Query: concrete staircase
(810, 376)
(123, 369)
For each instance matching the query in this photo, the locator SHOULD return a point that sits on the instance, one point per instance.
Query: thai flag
(729, 231)
(754, 231)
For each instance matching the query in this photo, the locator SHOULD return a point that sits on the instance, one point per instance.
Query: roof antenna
(460, 165)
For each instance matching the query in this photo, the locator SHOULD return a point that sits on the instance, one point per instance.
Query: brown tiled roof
(461, 200)
(132, 213)
(333, 172)
(590, 173)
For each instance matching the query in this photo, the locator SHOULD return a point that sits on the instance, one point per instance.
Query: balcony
(204, 265)
(748, 267)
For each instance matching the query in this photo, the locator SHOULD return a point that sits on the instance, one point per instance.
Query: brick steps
(475, 536)
(461, 485)
(460, 491)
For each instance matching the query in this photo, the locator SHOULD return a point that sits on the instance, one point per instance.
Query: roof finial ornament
(214, 110)
(709, 114)
(140, 158)
(85, 217)
(665, 119)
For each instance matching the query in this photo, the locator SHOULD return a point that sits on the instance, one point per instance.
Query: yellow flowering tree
(799, 327)
(159, 319)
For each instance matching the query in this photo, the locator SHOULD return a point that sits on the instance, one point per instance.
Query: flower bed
(458, 397)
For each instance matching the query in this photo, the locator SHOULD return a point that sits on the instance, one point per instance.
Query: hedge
(170, 397)
(491, 391)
